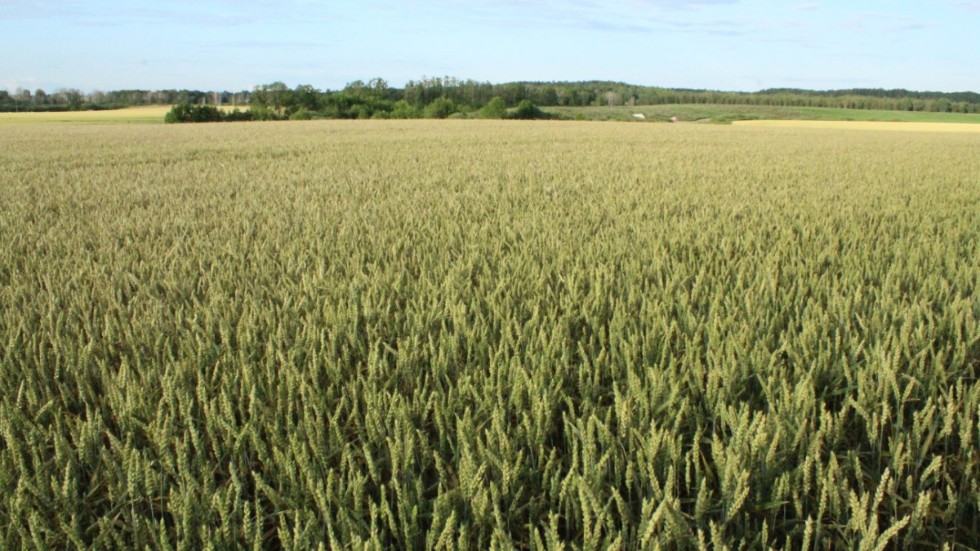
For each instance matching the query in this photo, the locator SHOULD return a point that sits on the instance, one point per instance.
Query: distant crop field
(868, 125)
(719, 113)
(488, 334)
(148, 114)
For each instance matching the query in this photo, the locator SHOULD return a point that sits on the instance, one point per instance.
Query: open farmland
(470, 334)
(894, 126)
(142, 115)
(727, 113)
(147, 114)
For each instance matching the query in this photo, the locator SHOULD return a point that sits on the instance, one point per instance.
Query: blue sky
(718, 44)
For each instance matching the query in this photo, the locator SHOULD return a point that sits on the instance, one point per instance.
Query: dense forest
(441, 97)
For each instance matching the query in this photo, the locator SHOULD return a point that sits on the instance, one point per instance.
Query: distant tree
(355, 87)
(178, 113)
(306, 97)
(527, 110)
(136, 97)
(405, 110)
(494, 109)
(276, 97)
(236, 115)
(193, 113)
(301, 114)
(192, 97)
(71, 97)
(424, 92)
(379, 87)
(441, 108)
(547, 96)
(512, 93)
(23, 96)
(260, 112)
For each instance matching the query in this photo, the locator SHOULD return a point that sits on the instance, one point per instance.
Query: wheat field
(488, 334)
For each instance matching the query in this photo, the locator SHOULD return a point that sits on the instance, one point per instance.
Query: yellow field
(150, 113)
(868, 125)
(145, 114)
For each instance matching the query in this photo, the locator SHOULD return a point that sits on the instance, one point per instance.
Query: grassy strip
(728, 113)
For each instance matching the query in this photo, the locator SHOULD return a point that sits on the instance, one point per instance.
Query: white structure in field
(639, 117)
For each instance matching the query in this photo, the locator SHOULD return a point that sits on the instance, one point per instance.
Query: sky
(742, 45)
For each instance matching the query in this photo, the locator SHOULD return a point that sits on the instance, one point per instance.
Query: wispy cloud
(36, 9)
(887, 23)
(272, 44)
(911, 26)
(616, 16)
(199, 13)
(970, 5)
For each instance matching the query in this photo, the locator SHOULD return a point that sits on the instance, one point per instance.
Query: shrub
(263, 113)
(237, 115)
(440, 108)
(193, 113)
(405, 110)
(527, 110)
(301, 114)
(494, 109)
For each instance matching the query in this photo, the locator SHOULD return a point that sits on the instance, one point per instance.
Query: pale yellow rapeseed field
(150, 114)
(147, 114)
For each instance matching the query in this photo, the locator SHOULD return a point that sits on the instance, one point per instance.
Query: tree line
(73, 99)
(431, 98)
(441, 97)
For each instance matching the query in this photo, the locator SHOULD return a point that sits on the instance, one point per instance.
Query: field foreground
(475, 333)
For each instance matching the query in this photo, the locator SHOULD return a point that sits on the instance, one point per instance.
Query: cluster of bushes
(204, 113)
(432, 99)
(355, 106)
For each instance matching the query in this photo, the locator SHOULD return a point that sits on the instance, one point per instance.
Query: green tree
(547, 96)
(276, 97)
(441, 108)
(512, 92)
(379, 87)
(495, 109)
(301, 114)
(527, 110)
(306, 97)
(23, 96)
(405, 110)
(193, 113)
